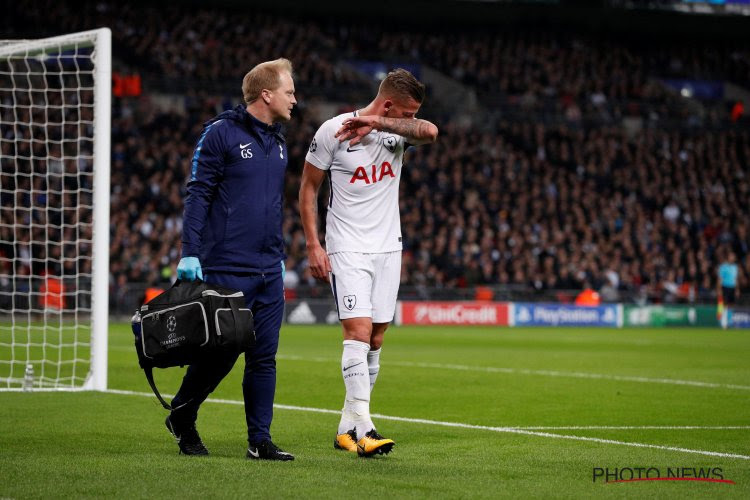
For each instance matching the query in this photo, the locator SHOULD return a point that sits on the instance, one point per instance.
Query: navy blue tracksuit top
(234, 204)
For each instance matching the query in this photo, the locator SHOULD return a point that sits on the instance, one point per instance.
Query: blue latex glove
(189, 268)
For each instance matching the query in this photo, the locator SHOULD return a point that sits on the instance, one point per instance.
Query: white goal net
(54, 216)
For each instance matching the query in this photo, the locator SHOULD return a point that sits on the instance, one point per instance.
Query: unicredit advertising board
(452, 313)
(564, 315)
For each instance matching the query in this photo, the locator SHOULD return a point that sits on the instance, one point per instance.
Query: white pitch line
(546, 373)
(514, 430)
(635, 427)
(523, 371)
(509, 430)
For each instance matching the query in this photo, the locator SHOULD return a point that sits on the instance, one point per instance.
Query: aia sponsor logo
(374, 175)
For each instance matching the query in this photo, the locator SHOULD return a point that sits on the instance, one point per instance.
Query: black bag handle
(150, 377)
(178, 281)
(235, 313)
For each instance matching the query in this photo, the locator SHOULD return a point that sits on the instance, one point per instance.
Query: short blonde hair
(399, 83)
(266, 75)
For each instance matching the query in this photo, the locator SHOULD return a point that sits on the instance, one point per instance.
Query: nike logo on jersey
(349, 149)
(352, 366)
(243, 146)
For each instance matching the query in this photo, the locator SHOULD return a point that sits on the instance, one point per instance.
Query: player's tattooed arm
(415, 131)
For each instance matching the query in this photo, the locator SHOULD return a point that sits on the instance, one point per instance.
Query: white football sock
(373, 366)
(356, 412)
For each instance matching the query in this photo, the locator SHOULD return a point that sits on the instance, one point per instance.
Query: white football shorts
(366, 284)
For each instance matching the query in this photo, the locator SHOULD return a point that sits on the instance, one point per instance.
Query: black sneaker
(267, 451)
(187, 437)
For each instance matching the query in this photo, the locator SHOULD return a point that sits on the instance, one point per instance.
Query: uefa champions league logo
(171, 323)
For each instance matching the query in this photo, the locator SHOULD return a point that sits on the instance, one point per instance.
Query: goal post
(100, 286)
(55, 112)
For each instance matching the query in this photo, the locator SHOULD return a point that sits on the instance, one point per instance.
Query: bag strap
(235, 312)
(150, 378)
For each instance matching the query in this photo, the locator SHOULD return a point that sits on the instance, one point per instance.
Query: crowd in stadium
(528, 64)
(164, 41)
(549, 208)
(549, 61)
(542, 204)
(554, 208)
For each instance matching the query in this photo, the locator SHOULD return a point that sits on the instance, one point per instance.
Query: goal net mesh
(47, 138)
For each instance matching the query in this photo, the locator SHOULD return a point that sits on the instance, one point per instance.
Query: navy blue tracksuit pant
(264, 295)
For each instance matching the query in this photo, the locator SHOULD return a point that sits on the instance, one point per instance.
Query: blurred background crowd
(566, 159)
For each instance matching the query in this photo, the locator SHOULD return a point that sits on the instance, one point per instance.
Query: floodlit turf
(64, 445)
(50, 346)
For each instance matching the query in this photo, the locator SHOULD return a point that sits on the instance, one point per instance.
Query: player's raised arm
(416, 131)
(393, 110)
(312, 178)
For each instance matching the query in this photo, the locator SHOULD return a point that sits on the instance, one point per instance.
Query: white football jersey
(363, 214)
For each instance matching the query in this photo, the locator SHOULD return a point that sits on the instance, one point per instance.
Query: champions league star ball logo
(390, 143)
(171, 323)
(313, 146)
(350, 301)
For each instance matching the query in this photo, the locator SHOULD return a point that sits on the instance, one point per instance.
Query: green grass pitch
(677, 394)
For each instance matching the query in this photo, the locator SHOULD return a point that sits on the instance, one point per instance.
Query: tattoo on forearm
(406, 127)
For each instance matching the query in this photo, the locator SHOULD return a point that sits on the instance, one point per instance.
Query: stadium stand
(545, 194)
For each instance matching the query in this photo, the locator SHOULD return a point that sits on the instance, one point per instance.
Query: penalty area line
(460, 425)
(635, 428)
(521, 371)
(540, 373)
